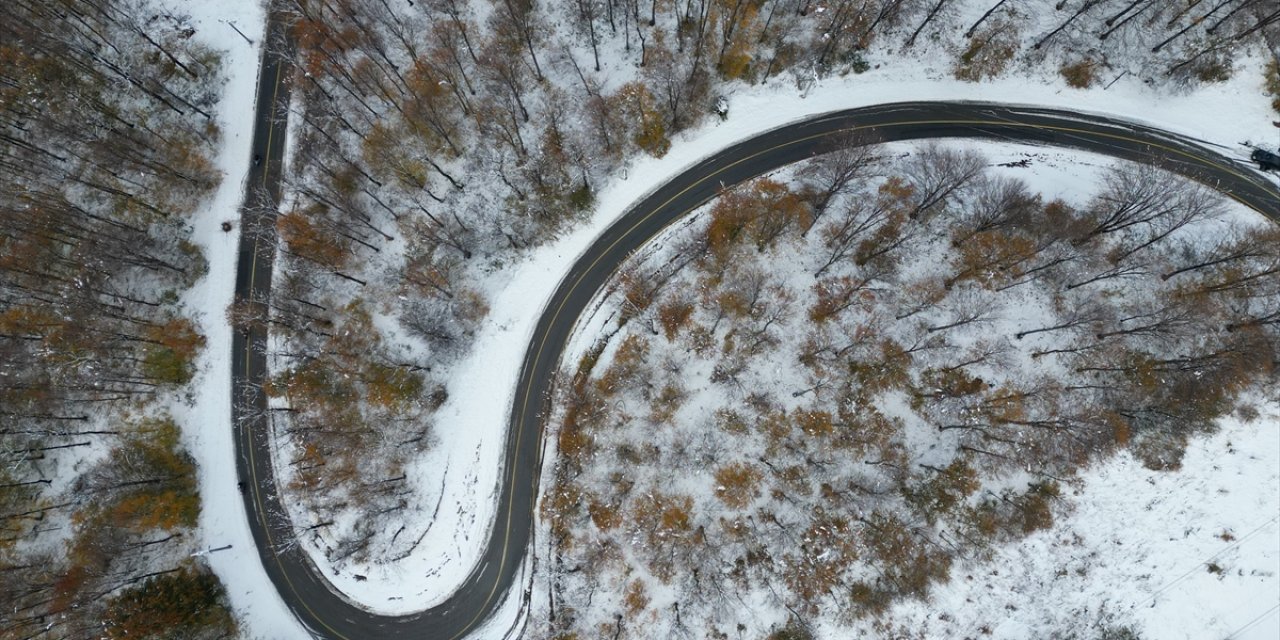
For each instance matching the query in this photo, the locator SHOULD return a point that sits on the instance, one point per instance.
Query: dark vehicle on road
(1266, 160)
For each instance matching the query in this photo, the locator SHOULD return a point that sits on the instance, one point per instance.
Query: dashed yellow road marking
(271, 120)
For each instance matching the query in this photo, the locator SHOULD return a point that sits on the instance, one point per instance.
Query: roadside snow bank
(206, 420)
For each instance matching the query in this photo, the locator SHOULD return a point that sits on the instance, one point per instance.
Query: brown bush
(905, 559)
(820, 563)
(674, 315)
(944, 490)
(737, 484)
(815, 423)
(869, 600)
(604, 516)
(1035, 508)
(1080, 75)
(664, 405)
(1273, 83)
(560, 508)
(1214, 70)
(988, 54)
(637, 598)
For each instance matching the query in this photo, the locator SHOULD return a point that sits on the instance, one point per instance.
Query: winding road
(327, 613)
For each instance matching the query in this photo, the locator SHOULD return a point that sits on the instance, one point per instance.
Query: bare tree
(839, 172)
(937, 174)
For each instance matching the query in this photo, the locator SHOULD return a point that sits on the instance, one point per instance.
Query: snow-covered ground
(463, 469)
(1192, 554)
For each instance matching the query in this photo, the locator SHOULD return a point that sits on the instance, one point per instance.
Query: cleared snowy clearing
(1184, 555)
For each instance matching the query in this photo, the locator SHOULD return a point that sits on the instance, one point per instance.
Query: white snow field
(1192, 554)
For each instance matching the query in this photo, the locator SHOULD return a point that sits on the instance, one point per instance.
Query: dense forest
(834, 386)
(105, 115)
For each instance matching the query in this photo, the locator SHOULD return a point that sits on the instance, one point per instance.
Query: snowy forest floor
(1191, 553)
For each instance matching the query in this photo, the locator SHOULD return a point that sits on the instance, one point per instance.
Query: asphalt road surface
(330, 615)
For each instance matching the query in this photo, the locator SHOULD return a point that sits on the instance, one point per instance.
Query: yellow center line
(253, 270)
